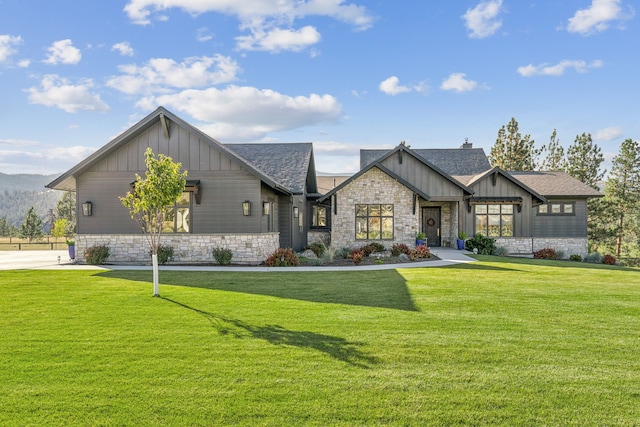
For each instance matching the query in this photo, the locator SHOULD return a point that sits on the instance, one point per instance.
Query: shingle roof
(453, 161)
(555, 184)
(287, 163)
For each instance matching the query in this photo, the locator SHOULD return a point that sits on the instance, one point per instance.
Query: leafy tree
(66, 209)
(622, 191)
(59, 228)
(554, 159)
(31, 227)
(584, 159)
(161, 187)
(512, 151)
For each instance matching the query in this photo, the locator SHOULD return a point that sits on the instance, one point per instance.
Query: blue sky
(343, 74)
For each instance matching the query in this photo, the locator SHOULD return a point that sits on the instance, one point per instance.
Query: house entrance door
(431, 225)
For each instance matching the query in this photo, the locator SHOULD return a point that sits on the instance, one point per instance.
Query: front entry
(431, 225)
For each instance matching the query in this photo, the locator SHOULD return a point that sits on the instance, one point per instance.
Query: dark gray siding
(285, 218)
(561, 225)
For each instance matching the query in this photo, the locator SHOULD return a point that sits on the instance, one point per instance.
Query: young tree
(511, 151)
(554, 160)
(622, 191)
(161, 187)
(31, 227)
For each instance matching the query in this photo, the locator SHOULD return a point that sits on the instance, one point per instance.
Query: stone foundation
(323, 237)
(527, 245)
(251, 249)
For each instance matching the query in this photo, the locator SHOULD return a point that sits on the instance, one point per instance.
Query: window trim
(314, 217)
(501, 214)
(561, 204)
(367, 217)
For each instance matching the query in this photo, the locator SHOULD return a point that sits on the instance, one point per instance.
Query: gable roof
(67, 181)
(497, 171)
(392, 174)
(291, 164)
(452, 161)
(555, 184)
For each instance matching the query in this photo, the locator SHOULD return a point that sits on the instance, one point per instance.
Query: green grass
(499, 342)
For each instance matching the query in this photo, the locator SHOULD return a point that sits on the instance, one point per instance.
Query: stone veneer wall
(188, 248)
(528, 245)
(374, 186)
(319, 236)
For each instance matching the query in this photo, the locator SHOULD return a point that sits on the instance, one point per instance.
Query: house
(440, 192)
(254, 198)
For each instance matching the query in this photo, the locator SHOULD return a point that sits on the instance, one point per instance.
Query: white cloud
(608, 134)
(43, 160)
(334, 148)
(59, 92)
(161, 74)
(124, 48)
(458, 83)
(263, 18)
(482, 21)
(559, 68)
(597, 17)
(241, 113)
(203, 34)
(63, 52)
(24, 63)
(277, 39)
(8, 46)
(392, 86)
(18, 142)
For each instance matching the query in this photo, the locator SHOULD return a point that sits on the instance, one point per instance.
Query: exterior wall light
(266, 208)
(87, 208)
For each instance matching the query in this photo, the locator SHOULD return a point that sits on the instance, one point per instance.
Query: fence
(21, 244)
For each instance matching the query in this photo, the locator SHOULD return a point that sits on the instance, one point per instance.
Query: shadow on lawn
(338, 348)
(382, 289)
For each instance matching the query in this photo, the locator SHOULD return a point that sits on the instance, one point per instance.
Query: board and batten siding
(423, 177)
(561, 225)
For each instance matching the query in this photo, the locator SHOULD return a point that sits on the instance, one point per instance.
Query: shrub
(377, 247)
(400, 248)
(609, 259)
(96, 255)
(420, 252)
(222, 255)
(484, 245)
(546, 253)
(593, 258)
(560, 254)
(575, 257)
(501, 251)
(342, 253)
(283, 257)
(356, 256)
(318, 248)
(165, 254)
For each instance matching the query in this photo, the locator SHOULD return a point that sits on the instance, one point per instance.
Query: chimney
(467, 145)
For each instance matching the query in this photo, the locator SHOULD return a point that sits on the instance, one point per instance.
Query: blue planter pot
(460, 244)
(419, 242)
(72, 252)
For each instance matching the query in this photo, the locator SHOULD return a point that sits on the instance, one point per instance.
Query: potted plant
(462, 236)
(421, 239)
(71, 245)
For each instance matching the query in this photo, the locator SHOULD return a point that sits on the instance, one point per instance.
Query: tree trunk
(154, 261)
(620, 233)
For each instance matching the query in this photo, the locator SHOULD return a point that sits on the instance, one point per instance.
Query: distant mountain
(18, 193)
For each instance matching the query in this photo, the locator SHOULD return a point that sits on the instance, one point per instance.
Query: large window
(557, 208)
(319, 216)
(374, 222)
(494, 220)
(177, 219)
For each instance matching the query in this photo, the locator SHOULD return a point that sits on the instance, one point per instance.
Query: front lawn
(498, 342)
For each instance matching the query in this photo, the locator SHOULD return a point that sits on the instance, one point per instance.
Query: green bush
(165, 254)
(501, 251)
(593, 258)
(96, 255)
(318, 248)
(283, 257)
(484, 245)
(575, 257)
(222, 255)
(546, 253)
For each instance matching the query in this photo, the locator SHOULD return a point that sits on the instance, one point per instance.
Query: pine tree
(66, 209)
(512, 152)
(554, 160)
(584, 159)
(622, 191)
(31, 227)
(5, 228)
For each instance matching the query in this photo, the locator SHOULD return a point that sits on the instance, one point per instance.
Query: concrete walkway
(59, 260)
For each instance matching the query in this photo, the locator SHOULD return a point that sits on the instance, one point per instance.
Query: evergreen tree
(554, 160)
(5, 228)
(512, 152)
(584, 159)
(622, 191)
(66, 209)
(31, 228)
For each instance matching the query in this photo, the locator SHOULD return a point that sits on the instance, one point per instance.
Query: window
(177, 219)
(319, 216)
(494, 220)
(374, 222)
(557, 208)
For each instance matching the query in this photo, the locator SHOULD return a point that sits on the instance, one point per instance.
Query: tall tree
(554, 159)
(5, 227)
(512, 151)
(161, 187)
(31, 227)
(622, 191)
(584, 159)
(66, 209)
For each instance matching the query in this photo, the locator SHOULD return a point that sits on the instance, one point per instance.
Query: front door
(431, 225)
